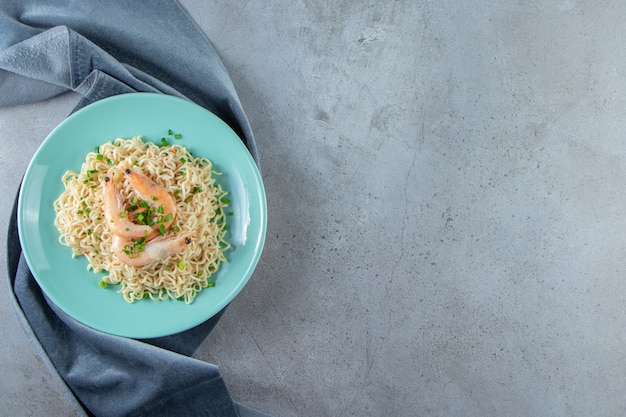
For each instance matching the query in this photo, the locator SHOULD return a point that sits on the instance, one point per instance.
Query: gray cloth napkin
(99, 49)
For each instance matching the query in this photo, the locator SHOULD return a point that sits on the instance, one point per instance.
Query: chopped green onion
(169, 132)
(177, 136)
(183, 160)
(162, 229)
(164, 142)
(210, 284)
(109, 161)
(225, 200)
(154, 198)
(175, 229)
(181, 265)
(100, 157)
(168, 218)
(102, 284)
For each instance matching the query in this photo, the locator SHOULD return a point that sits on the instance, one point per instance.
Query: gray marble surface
(445, 192)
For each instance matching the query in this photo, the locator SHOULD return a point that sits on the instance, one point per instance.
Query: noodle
(200, 204)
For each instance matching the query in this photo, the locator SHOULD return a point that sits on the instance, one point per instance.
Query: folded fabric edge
(49, 50)
(224, 408)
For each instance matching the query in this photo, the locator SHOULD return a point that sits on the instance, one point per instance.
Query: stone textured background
(445, 191)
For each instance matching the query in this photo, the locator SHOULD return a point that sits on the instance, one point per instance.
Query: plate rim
(259, 188)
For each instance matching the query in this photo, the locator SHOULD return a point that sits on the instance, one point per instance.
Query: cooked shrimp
(115, 214)
(141, 252)
(156, 196)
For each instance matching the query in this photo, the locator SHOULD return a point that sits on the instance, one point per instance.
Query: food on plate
(150, 217)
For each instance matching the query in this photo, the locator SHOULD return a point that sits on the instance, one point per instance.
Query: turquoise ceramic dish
(68, 283)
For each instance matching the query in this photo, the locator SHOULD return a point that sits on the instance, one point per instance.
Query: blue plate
(68, 283)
